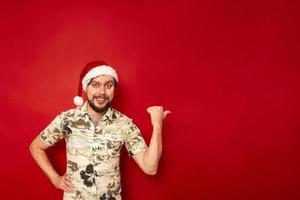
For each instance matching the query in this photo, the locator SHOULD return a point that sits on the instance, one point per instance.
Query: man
(94, 133)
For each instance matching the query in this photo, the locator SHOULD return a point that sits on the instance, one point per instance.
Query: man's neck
(95, 116)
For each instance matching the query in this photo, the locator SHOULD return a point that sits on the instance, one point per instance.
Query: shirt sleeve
(135, 142)
(53, 132)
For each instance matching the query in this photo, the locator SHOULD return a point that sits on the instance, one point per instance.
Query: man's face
(100, 93)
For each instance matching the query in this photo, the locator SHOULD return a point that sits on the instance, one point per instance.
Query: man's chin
(100, 108)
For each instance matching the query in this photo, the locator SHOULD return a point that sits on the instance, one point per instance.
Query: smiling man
(95, 133)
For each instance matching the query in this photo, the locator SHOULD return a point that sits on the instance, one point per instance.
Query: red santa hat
(90, 71)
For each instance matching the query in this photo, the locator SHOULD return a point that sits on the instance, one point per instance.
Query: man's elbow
(151, 171)
(34, 148)
(31, 147)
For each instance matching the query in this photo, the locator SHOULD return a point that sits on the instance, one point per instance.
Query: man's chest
(102, 140)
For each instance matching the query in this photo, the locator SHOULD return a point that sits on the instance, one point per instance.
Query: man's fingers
(66, 187)
(166, 113)
(154, 108)
(151, 108)
(158, 109)
(69, 183)
(67, 180)
(67, 177)
(66, 184)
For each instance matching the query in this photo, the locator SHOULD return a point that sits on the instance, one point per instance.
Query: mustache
(100, 96)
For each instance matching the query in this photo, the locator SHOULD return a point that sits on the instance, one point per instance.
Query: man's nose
(101, 89)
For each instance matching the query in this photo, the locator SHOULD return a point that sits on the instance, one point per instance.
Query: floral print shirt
(93, 150)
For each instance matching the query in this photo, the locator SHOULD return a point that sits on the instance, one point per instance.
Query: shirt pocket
(79, 140)
(108, 146)
(114, 146)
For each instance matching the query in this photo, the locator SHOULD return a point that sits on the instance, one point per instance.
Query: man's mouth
(100, 99)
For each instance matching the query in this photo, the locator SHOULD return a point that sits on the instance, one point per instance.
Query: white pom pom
(78, 101)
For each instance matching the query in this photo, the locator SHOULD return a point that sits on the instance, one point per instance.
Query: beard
(99, 109)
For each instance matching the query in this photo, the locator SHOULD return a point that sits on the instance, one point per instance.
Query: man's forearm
(41, 158)
(154, 151)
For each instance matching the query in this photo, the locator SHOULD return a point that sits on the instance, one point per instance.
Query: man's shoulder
(71, 112)
(120, 116)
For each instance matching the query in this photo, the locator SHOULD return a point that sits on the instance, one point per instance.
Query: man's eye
(95, 85)
(108, 86)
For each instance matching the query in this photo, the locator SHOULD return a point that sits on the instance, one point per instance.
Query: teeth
(100, 99)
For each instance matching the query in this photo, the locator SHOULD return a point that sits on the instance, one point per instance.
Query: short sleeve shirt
(93, 150)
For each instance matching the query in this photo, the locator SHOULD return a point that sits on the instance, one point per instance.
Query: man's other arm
(148, 161)
(38, 152)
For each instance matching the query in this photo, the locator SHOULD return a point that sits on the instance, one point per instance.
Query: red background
(227, 69)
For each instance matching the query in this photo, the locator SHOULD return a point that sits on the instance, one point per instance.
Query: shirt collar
(109, 113)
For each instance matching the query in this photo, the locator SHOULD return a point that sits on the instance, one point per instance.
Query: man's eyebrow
(110, 81)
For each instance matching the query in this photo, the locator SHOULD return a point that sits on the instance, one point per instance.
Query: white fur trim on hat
(97, 71)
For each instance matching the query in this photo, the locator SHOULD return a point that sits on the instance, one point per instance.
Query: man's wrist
(157, 126)
(53, 178)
